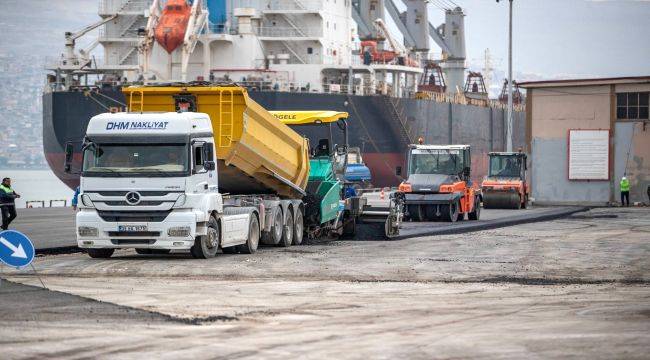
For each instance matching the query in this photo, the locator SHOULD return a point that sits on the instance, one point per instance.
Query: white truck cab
(149, 182)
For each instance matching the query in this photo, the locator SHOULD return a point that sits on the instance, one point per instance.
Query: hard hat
(623, 178)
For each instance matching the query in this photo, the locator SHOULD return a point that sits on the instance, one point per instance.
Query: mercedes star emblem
(132, 198)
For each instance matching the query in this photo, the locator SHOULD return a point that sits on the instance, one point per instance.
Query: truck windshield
(506, 166)
(128, 159)
(434, 161)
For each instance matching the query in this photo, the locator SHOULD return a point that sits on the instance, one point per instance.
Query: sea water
(37, 185)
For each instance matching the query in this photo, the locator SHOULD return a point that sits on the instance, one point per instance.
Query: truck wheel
(450, 212)
(100, 253)
(416, 213)
(476, 213)
(206, 247)
(143, 251)
(274, 236)
(253, 237)
(287, 232)
(298, 227)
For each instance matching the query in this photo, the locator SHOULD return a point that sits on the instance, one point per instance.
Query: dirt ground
(571, 288)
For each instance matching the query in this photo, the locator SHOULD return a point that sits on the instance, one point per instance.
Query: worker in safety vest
(625, 191)
(7, 203)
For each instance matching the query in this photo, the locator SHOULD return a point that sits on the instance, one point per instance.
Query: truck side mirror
(398, 171)
(209, 165)
(69, 152)
(207, 152)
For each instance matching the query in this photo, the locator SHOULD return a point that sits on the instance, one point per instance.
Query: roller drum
(501, 200)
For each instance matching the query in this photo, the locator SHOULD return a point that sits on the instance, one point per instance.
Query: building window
(310, 50)
(632, 105)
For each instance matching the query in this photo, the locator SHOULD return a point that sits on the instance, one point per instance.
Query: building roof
(585, 82)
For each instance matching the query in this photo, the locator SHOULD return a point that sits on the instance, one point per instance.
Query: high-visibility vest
(625, 185)
(8, 191)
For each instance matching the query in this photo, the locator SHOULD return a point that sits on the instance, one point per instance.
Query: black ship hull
(380, 126)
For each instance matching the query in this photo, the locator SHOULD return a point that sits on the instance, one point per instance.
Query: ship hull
(380, 126)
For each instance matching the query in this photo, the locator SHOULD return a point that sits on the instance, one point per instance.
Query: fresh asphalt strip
(411, 230)
(374, 231)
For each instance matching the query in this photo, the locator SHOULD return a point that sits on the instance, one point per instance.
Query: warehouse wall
(554, 112)
(550, 184)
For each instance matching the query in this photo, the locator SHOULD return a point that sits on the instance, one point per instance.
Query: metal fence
(42, 203)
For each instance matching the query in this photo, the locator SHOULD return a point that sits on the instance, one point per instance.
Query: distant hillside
(36, 27)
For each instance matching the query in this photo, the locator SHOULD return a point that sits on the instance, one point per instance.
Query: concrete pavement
(48, 228)
(569, 288)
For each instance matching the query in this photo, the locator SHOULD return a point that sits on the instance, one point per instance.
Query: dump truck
(192, 170)
(505, 186)
(438, 184)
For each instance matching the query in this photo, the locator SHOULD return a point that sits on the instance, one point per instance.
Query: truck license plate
(131, 228)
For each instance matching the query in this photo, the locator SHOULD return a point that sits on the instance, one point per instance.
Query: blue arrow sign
(15, 249)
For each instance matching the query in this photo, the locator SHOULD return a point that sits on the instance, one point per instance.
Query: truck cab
(149, 182)
(438, 184)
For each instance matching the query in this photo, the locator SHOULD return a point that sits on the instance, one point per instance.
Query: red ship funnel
(172, 25)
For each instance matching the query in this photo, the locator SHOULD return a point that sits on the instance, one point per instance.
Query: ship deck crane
(70, 39)
(398, 48)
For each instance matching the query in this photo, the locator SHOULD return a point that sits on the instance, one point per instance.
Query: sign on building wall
(588, 154)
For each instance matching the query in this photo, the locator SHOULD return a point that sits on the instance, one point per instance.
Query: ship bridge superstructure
(332, 46)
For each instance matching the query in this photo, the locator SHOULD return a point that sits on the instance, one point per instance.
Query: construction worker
(7, 203)
(625, 191)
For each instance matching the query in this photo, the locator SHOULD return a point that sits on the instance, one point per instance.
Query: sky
(560, 38)
(552, 38)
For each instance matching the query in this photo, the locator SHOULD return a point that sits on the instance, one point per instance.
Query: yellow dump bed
(256, 153)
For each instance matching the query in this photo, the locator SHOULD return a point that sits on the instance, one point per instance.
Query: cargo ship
(290, 55)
